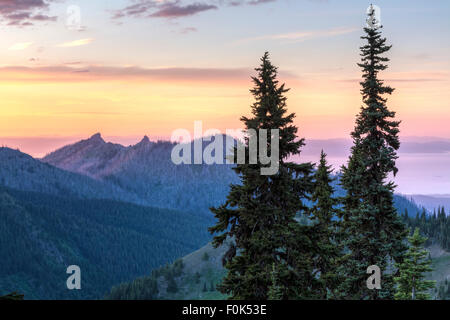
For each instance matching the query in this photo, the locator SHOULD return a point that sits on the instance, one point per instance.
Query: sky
(125, 68)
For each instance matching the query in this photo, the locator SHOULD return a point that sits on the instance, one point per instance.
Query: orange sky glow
(109, 76)
(66, 103)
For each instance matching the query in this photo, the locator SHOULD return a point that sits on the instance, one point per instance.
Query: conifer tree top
(270, 108)
(375, 127)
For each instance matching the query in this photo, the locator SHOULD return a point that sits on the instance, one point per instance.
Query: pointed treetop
(144, 142)
(372, 20)
(145, 139)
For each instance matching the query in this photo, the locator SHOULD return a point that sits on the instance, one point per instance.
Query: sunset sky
(128, 68)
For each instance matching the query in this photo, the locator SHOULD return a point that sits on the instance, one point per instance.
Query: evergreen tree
(436, 230)
(259, 214)
(171, 285)
(275, 291)
(374, 231)
(197, 277)
(410, 282)
(325, 230)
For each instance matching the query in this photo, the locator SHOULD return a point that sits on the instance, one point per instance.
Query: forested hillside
(20, 171)
(196, 275)
(60, 218)
(41, 235)
(436, 226)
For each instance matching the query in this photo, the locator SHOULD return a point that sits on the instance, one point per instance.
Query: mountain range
(116, 211)
(146, 173)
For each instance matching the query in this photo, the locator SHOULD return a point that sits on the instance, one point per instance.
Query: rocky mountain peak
(145, 140)
(97, 138)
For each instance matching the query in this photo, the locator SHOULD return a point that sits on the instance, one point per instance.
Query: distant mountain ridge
(105, 205)
(22, 172)
(147, 171)
(431, 202)
(142, 174)
(92, 157)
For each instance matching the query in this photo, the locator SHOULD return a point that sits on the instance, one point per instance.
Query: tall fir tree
(374, 233)
(410, 282)
(325, 231)
(275, 291)
(259, 214)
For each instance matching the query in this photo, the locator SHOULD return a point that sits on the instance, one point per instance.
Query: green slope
(195, 277)
(112, 242)
(441, 272)
(197, 270)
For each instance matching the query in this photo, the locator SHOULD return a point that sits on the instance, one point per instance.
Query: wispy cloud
(162, 9)
(236, 3)
(23, 13)
(411, 76)
(301, 35)
(63, 73)
(76, 43)
(20, 46)
(172, 9)
(188, 30)
(256, 2)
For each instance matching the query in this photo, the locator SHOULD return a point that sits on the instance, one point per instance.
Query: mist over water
(424, 167)
(424, 163)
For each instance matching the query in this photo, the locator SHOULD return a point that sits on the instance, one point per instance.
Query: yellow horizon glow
(46, 104)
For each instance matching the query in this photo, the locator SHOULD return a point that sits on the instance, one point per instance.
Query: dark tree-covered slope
(41, 235)
(21, 171)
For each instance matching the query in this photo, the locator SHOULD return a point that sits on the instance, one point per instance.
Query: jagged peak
(97, 137)
(144, 142)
